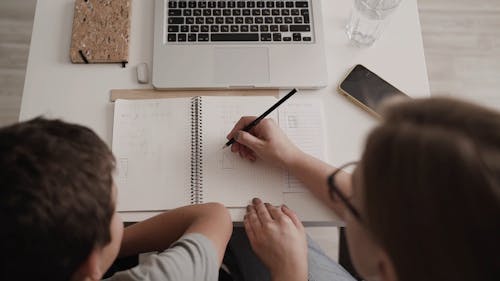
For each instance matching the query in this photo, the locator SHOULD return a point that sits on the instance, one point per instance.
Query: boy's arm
(159, 232)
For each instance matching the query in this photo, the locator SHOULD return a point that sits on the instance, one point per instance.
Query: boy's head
(57, 202)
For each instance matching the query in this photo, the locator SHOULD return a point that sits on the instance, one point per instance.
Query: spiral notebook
(169, 153)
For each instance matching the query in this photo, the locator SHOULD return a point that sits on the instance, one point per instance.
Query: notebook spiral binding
(196, 151)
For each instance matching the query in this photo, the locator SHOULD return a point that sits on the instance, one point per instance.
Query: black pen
(256, 121)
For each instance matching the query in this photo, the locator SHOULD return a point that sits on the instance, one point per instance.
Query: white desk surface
(56, 88)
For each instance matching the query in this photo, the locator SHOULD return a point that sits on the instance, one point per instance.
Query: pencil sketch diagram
(227, 161)
(292, 121)
(122, 168)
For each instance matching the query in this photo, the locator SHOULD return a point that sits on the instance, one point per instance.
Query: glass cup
(368, 19)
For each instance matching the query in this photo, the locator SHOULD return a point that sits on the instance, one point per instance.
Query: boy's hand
(278, 238)
(266, 140)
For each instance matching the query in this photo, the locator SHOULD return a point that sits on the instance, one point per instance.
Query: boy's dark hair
(431, 178)
(55, 198)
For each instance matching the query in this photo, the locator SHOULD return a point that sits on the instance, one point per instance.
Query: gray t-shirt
(192, 257)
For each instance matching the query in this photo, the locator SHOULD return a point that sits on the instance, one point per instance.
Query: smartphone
(367, 90)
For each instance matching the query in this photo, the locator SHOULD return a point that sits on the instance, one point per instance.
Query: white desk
(80, 93)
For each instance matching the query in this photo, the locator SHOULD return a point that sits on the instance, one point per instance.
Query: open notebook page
(227, 178)
(302, 121)
(152, 145)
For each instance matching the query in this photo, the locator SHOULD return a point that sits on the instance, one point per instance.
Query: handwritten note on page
(302, 121)
(228, 178)
(151, 143)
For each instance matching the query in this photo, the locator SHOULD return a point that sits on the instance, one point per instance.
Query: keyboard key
(174, 12)
(195, 28)
(284, 28)
(172, 4)
(236, 12)
(172, 37)
(288, 20)
(285, 12)
(280, 4)
(231, 4)
(244, 28)
(300, 28)
(221, 4)
(181, 37)
(289, 4)
(234, 37)
(241, 4)
(266, 12)
(261, 4)
(182, 4)
(202, 4)
(301, 4)
(268, 20)
(238, 20)
(224, 28)
(304, 12)
(287, 38)
(259, 20)
(235, 28)
(217, 12)
(189, 20)
(209, 20)
(270, 4)
(308, 39)
(275, 12)
(203, 37)
(278, 20)
(248, 20)
(229, 20)
(306, 19)
(192, 4)
(226, 12)
(255, 12)
(264, 28)
(265, 37)
(200, 20)
(295, 12)
(184, 28)
(173, 28)
(297, 20)
(254, 28)
(191, 37)
(175, 20)
(274, 28)
(187, 13)
(212, 4)
(296, 36)
(207, 12)
(197, 12)
(276, 36)
(204, 28)
(250, 4)
(219, 20)
(246, 12)
(214, 28)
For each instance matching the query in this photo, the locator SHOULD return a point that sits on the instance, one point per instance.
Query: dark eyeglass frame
(336, 193)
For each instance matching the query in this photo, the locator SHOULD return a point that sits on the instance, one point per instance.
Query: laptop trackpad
(241, 66)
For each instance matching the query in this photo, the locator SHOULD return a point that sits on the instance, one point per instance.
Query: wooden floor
(461, 43)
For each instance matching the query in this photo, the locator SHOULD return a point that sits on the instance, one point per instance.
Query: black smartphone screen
(368, 88)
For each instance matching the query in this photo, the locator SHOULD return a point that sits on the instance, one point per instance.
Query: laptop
(221, 44)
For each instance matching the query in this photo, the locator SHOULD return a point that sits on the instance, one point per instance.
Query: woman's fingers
(276, 213)
(262, 211)
(252, 218)
(291, 214)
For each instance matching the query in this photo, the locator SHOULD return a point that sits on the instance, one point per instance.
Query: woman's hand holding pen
(266, 140)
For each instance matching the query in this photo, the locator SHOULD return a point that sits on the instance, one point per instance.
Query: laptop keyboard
(260, 21)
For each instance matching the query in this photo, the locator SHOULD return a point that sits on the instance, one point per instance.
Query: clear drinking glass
(368, 19)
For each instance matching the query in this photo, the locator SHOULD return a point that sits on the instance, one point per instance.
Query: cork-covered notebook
(101, 31)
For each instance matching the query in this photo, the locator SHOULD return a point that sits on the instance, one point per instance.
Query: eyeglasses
(336, 193)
